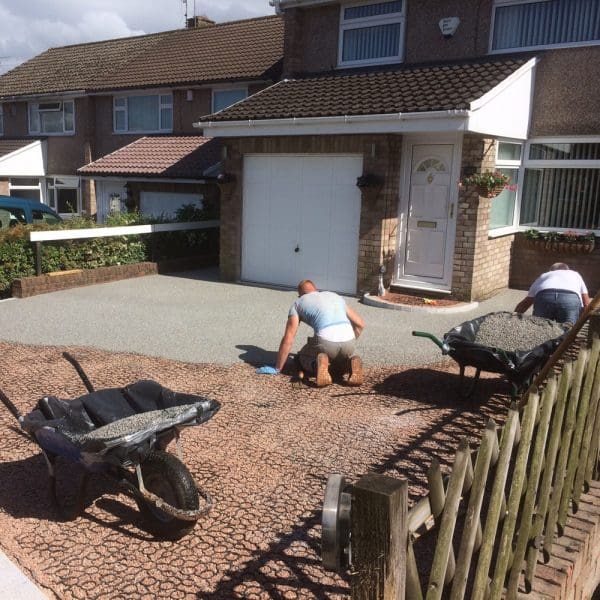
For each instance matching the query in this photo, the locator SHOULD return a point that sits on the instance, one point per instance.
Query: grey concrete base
(458, 308)
(15, 584)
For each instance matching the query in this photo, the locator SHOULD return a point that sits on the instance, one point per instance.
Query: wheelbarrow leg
(465, 391)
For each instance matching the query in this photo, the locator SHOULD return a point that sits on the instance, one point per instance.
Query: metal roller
(335, 522)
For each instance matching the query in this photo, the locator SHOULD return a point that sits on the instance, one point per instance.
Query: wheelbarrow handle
(445, 348)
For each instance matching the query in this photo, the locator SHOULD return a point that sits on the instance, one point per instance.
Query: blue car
(15, 211)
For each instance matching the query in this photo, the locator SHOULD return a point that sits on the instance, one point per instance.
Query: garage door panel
(256, 205)
(316, 170)
(346, 169)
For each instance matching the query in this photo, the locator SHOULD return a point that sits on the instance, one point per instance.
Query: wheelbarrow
(123, 433)
(519, 367)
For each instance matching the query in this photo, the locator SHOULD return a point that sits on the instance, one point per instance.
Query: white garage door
(301, 219)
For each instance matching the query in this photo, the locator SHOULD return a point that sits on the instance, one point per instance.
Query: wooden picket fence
(511, 497)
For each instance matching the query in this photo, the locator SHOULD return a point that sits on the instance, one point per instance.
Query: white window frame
(371, 21)
(227, 88)
(549, 164)
(125, 110)
(51, 184)
(1, 119)
(512, 164)
(65, 131)
(39, 187)
(501, 3)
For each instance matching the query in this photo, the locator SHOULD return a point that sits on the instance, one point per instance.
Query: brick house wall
(528, 263)
(378, 220)
(481, 264)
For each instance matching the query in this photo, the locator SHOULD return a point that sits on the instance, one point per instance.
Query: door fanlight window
(432, 164)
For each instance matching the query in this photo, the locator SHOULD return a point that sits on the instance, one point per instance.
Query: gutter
(341, 119)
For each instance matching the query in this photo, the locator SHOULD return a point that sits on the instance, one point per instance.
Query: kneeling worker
(336, 327)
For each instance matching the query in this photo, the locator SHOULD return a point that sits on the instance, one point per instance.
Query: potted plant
(488, 184)
(370, 185)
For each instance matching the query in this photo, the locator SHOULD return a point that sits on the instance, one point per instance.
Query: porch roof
(452, 90)
(173, 157)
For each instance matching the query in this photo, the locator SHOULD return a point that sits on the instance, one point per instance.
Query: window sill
(502, 232)
(370, 63)
(545, 47)
(144, 132)
(41, 133)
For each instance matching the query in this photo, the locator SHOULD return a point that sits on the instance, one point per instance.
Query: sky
(28, 27)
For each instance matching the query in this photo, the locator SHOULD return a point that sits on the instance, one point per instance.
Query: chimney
(199, 21)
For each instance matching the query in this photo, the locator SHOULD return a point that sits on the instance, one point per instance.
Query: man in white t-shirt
(558, 294)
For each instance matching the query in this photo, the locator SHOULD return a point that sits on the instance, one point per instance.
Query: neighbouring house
(92, 127)
(406, 98)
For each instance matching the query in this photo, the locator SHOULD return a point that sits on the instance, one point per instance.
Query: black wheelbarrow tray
(124, 433)
(519, 367)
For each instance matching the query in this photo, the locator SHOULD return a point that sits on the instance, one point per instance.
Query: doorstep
(459, 307)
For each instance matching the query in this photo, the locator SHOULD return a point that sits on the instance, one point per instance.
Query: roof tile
(172, 157)
(408, 89)
(243, 50)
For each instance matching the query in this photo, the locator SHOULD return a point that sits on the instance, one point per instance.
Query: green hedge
(17, 257)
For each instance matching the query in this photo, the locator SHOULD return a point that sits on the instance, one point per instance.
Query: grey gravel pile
(511, 332)
(133, 424)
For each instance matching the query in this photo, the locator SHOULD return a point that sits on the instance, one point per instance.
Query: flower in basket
(489, 183)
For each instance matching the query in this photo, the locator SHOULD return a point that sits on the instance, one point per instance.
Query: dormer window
(371, 33)
(526, 25)
(52, 117)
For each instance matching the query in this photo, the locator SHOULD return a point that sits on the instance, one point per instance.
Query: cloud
(29, 28)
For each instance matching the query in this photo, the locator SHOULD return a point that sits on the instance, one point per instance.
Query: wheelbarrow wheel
(167, 477)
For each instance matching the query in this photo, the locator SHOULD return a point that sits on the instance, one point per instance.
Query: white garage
(301, 217)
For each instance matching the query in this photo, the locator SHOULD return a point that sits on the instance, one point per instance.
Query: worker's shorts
(558, 305)
(339, 354)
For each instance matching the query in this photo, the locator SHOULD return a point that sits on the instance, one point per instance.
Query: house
(90, 127)
(406, 98)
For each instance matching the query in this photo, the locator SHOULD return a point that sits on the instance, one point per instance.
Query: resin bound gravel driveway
(264, 457)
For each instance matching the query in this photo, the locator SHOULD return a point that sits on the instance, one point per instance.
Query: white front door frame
(399, 278)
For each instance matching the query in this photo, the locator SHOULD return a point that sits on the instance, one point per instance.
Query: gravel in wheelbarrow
(512, 344)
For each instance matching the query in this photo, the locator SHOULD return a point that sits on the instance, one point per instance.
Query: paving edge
(15, 582)
(463, 307)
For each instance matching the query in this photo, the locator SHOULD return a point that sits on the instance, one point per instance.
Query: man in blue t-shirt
(336, 327)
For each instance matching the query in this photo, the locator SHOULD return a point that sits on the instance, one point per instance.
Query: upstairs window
(523, 24)
(371, 33)
(226, 97)
(52, 117)
(1, 119)
(132, 114)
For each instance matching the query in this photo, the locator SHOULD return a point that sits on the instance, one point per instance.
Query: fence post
(379, 522)
(38, 257)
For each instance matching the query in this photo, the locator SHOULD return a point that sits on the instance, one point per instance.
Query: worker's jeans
(559, 305)
(339, 354)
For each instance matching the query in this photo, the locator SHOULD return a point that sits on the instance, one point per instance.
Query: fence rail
(503, 505)
(37, 237)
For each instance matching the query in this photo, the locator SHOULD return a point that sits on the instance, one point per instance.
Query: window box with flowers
(567, 241)
(488, 184)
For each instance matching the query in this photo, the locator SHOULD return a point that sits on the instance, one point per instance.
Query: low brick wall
(528, 262)
(573, 572)
(62, 280)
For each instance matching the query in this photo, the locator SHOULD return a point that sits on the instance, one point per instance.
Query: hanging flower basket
(488, 184)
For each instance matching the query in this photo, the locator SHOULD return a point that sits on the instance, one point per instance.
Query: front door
(427, 238)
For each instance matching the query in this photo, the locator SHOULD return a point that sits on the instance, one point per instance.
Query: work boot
(323, 376)
(356, 371)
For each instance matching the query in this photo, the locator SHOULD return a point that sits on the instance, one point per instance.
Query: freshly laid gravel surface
(512, 332)
(132, 424)
(264, 458)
